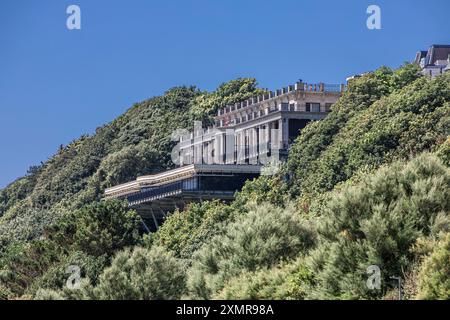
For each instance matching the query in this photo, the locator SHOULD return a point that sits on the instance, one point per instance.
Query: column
(284, 132)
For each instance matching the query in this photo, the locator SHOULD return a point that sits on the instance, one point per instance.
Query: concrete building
(435, 61)
(260, 129)
(215, 162)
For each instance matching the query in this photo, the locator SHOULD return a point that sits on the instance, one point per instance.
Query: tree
(142, 274)
(263, 237)
(105, 227)
(377, 222)
(434, 274)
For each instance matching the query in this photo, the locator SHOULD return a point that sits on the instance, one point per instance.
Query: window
(328, 107)
(312, 107)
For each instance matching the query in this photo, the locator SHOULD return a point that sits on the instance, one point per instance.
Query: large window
(312, 107)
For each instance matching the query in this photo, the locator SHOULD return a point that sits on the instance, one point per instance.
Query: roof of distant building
(437, 52)
(419, 56)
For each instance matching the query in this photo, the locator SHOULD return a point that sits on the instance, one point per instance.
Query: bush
(366, 131)
(56, 276)
(98, 229)
(376, 222)
(261, 238)
(5, 293)
(142, 274)
(22, 263)
(443, 152)
(434, 274)
(286, 281)
(184, 232)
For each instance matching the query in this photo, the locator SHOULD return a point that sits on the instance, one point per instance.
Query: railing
(299, 86)
(333, 87)
(175, 188)
(154, 193)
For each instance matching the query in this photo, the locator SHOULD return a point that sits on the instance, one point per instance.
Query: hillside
(136, 143)
(369, 185)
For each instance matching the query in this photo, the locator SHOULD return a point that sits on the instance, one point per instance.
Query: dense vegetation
(369, 185)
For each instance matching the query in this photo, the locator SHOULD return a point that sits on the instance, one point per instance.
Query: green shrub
(443, 152)
(376, 222)
(434, 274)
(98, 229)
(370, 127)
(57, 275)
(142, 274)
(184, 232)
(285, 281)
(5, 293)
(263, 237)
(22, 263)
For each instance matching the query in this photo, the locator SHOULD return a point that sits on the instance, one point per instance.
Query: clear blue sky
(56, 84)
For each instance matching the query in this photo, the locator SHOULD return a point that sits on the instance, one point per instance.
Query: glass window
(315, 107)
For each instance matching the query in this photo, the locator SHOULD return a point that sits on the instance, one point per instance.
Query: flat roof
(179, 174)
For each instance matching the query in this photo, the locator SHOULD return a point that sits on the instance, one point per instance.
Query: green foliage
(23, 263)
(284, 281)
(206, 105)
(86, 238)
(267, 283)
(136, 143)
(100, 228)
(263, 189)
(359, 200)
(138, 274)
(374, 122)
(434, 275)
(404, 76)
(5, 293)
(142, 274)
(56, 192)
(261, 238)
(57, 275)
(376, 222)
(443, 152)
(185, 232)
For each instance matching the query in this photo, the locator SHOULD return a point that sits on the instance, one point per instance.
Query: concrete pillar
(207, 158)
(252, 146)
(263, 139)
(275, 135)
(229, 146)
(222, 148)
(242, 147)
(219, 148)
(285, 132)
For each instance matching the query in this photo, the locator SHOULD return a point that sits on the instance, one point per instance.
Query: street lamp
(399, 280)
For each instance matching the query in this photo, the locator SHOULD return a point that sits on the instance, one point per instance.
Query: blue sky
(56, 84)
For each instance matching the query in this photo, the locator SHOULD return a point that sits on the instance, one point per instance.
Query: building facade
(435, 61)
(258, 130)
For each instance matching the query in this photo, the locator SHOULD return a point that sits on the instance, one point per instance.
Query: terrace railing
(299, 86)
